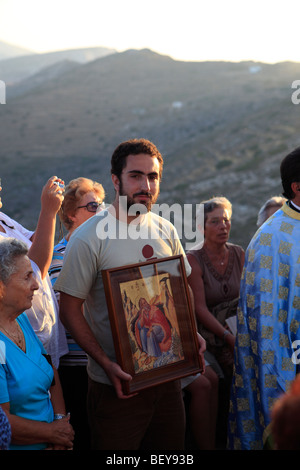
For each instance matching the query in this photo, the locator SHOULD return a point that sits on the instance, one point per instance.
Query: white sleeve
(13, 225)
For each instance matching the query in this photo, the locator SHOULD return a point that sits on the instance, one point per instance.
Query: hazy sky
(261, 30)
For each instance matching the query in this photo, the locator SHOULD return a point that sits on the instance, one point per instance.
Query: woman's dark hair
(290, 172)
(133, 147)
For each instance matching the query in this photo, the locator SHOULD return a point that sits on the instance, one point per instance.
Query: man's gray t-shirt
(103, 242)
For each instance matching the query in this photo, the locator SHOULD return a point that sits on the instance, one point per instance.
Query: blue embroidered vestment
(268, 324)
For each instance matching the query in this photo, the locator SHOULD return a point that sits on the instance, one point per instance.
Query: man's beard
(144, 204)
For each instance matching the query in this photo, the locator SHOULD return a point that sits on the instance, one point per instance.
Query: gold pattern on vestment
(266, 262)
(282, 316)
(294, 325)
(284, 270)
(261, 419)
(253, 384)
(240, 316)
(285, 248)
(249, 362)
(243, 340)
(283, 292)
(266, 285)
(287, 364)
(254, 346)
(252, 323)
(296, 302)
(248, 425)
(251, 255)
(237, 444)
(270, 381)
(265, 239)
(250, 301)
(267, 332)
(286, 228)
(271, 402)
(266, 308)
(239, 381)
(258, 392)
(284, 340)
(243, 404)
(250, 277)
(288, 384)
(268, 357)
(297, 281)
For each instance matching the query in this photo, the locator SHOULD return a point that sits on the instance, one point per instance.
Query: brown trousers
(152, 420)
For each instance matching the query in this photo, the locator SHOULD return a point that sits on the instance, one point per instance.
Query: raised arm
(41, 249)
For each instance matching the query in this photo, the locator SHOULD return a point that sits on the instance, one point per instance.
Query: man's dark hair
(290, 172)
(133, 147)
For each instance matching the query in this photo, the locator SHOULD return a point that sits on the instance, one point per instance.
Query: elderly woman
(43, 313)
(215, 281)
(83, 198)
(30, 392)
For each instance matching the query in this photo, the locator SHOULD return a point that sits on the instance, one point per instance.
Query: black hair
(290, 172)
(133, 147)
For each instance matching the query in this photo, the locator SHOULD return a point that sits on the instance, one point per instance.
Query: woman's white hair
(276, 202)
(10, 250)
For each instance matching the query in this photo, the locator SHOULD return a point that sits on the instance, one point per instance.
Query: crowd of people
(61, 386)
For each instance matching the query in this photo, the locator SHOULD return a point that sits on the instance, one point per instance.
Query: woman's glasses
(93, 206)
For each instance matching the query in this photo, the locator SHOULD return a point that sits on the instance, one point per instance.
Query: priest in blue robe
(268, 321)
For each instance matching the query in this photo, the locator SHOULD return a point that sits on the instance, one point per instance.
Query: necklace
(18, 337)
(222, 261)
(216, 259)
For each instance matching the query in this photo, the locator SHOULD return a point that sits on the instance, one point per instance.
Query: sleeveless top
(220, 287)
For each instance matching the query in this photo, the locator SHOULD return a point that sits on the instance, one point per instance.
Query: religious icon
(152, 321)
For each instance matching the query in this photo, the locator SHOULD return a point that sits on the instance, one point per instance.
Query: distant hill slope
(10, 50)
(15, 69)
(223, 128)
(40, 78)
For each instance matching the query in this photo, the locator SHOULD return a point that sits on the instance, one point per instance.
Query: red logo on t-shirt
(148, 251)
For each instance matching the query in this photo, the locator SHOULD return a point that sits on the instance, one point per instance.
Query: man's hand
(116, 375)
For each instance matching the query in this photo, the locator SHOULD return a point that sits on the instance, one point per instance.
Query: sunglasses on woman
(93, 206)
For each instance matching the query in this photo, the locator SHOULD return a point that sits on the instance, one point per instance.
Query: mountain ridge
(15, 69)
(222, 128)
